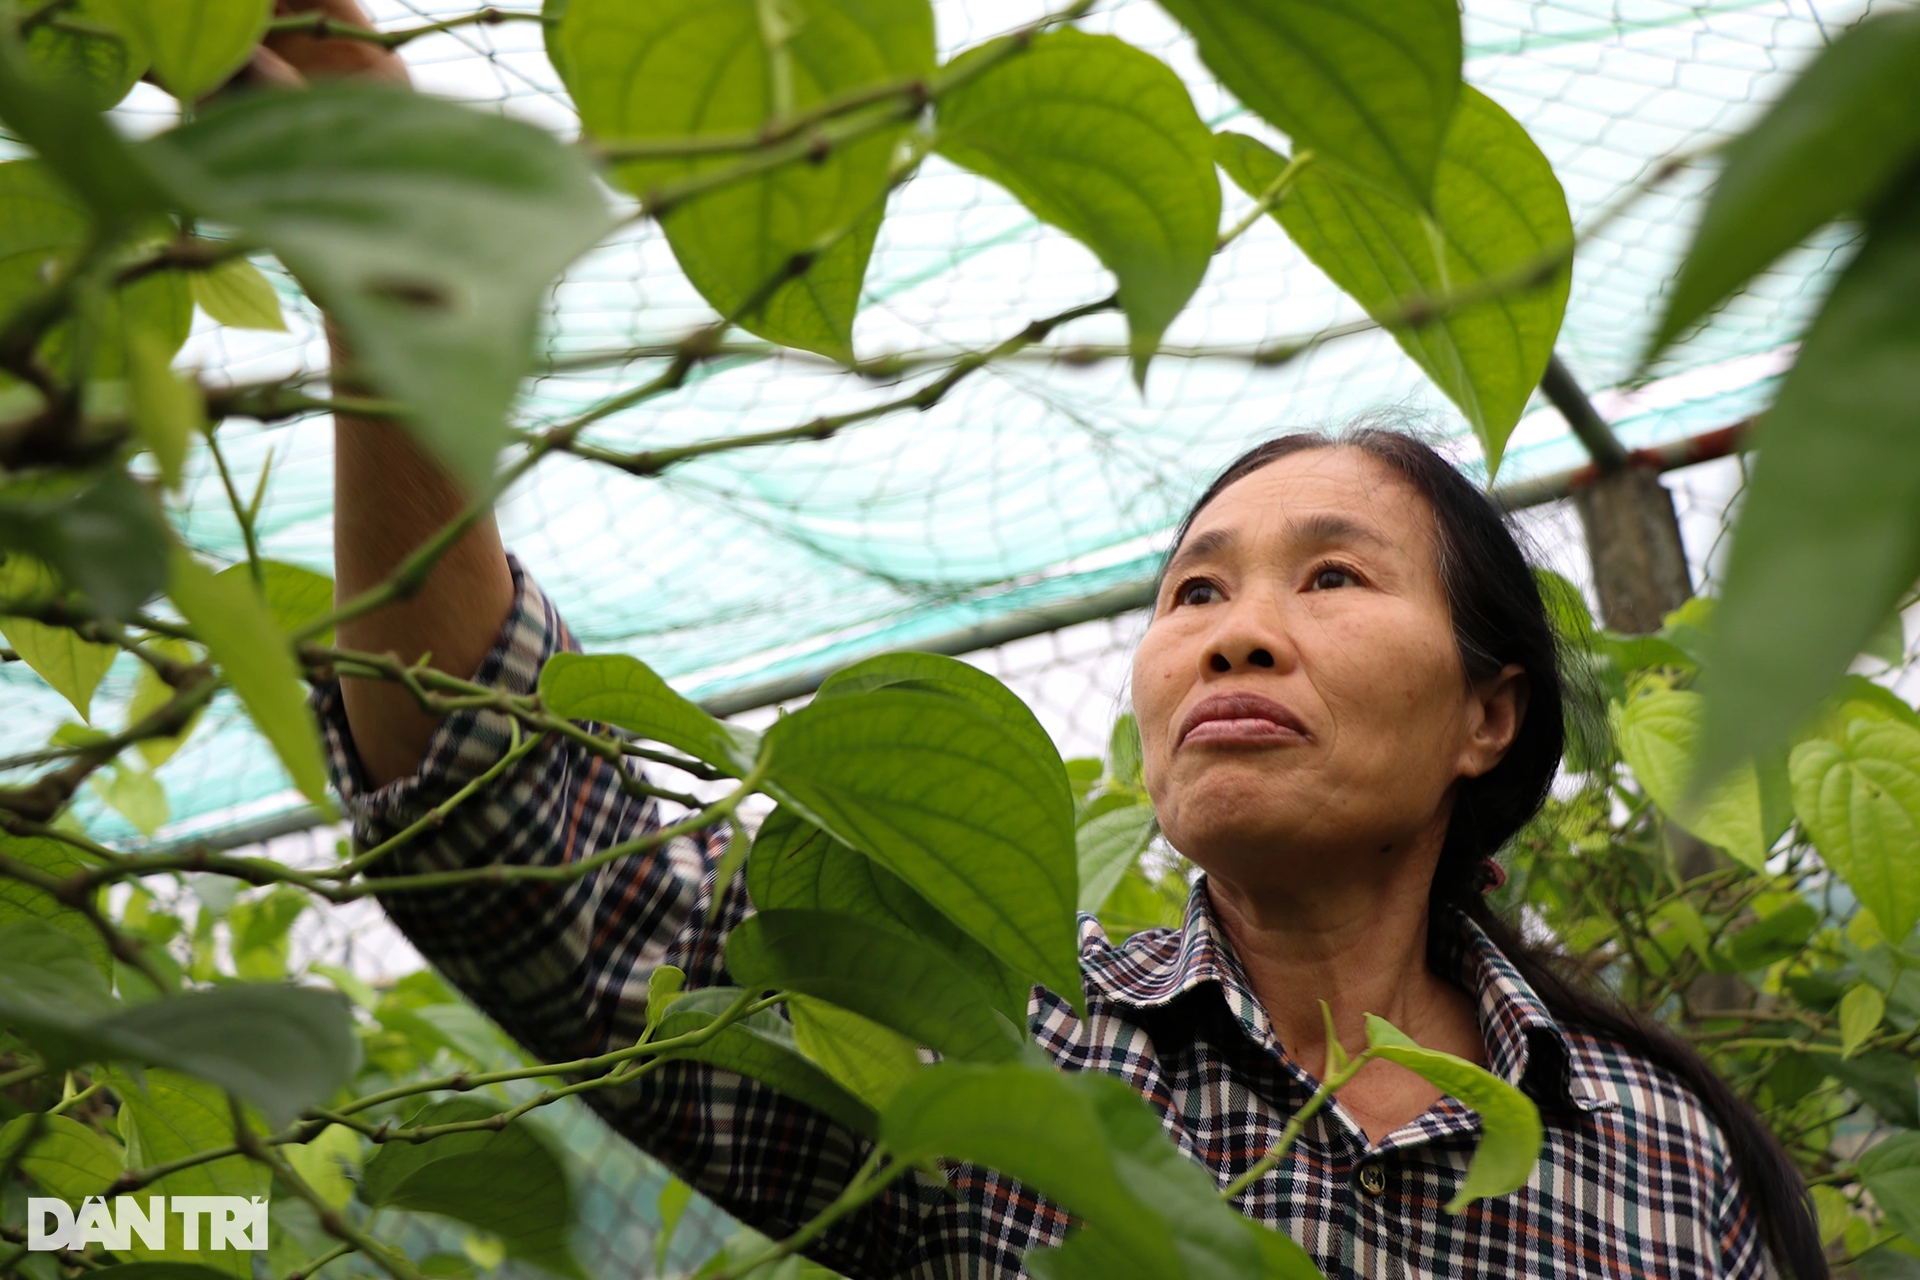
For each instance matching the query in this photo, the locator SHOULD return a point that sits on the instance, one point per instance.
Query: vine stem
(869, 1182)
(313, 1265)
(437, 815)
(1336, 1080)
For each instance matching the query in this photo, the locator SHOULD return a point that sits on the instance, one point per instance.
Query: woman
(1348, 701)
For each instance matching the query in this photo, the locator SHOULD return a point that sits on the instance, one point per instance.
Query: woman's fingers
(331, 57)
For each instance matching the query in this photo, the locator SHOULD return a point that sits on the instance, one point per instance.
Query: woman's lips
(1233, 718)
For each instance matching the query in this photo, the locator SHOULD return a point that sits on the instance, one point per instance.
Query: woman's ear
(1496, 708)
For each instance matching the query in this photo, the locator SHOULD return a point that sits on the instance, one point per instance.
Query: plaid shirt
(1634, 1177)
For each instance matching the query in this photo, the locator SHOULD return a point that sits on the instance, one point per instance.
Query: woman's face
(1299, 692)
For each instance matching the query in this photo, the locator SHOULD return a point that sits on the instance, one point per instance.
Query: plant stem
(1288, 1136)
(240, 510)
(437, 815)
(869, 1182)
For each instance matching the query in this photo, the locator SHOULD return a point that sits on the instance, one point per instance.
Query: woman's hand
(294, 59)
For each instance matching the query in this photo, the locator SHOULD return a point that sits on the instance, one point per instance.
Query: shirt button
(1373, 1179)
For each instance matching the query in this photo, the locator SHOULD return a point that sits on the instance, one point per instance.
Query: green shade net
(1037, 481)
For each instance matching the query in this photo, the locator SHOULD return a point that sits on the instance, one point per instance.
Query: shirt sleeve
(562, 966)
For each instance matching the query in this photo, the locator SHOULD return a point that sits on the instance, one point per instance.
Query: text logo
(231, 1222)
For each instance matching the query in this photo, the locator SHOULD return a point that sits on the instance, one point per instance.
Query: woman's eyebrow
(1329, 527)
(1200, 546)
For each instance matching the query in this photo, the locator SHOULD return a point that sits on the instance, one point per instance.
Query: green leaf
(42, 227)
(166, 407)
(196, 45)
(892, 978)
(761, 1046)
(231, 619)
(1860, 1012)
(68, 1160)
(237, 295)
(150, 693)
(664, 985)
(328, 1163)
(1773, 938)
(294, 596)
(260, 927)
(1884, 1080)
(430, 232)
(1368, 86)
(71, 665)
(797, 865)
(1281, 1256)
(136, 796)
(869, 1059)
(625, 693)
(1087, 1141)
(57, 118)
(1827, 539)
(20, 900)
(1861, 804)
(690, 68)
(1509, 1122)
(942, 795)
(509, 1181)
(1496, 207)
(100, 532)
(49, 987)
(164, 1117)
(1891, 1171)
(1126, 757)
(1843, 130)
(674, 1197)
(936, 673)
(1657, 734)
(1101, 140)
(1108, 845)
(102, 66)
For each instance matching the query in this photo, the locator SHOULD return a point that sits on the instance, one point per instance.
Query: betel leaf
(1861, 1010)
(1743, 813)
(328, 1163)
(1087, 1141)
(936, 673)
(42, 226)
(150, 693)
(688, 68)
(1497, 206)
(892, 978)
(940, 794)
(625, 693)
(57, 655)
(231, 619)
(761, 1047)
(1774, 937)
(1101, 140)
(1891, 1171)
(93, 51)
(99, 531)
(165, 1116)
(50, 988)
(195, 45)
(429, 231)
(1829, 145)
(1860, 801)
(57, 118)
(165, 407)
(509, 1182)
(797, 865)
(869, 1059)
(1369, 86)
(136, 796)
(1827, 539)
(1510, 1132)
(19, 899)
(67, 1159)
(1884, 1079)
(1107, 846)
(237, 295)
(295, 596)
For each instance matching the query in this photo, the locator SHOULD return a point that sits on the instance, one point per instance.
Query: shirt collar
(1526, 1046)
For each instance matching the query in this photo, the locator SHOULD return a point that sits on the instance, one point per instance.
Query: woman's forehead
(1317, 493)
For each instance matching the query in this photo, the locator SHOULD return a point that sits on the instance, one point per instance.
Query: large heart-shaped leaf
(1891, 1171)
(795, 864)
(165, 1117)
(1828, 537)
(95, 52)
(1368, 85)
(429, 231)
(688, 68)
(1102, 141)
(1496, 206)
(1108, 844)
(509, 1182)
(872, 1061)
(195, 44)
(67, 1159)
(1657, 734)
(71, 665)
(1843, 129)
(892, 978)
(625, 693)
(19, 899)
(1861, 803)
(942, 795)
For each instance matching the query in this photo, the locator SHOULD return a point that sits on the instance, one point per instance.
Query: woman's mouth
(1232, 719)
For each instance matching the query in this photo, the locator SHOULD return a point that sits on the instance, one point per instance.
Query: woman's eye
(1328, 577)
(1199, 591)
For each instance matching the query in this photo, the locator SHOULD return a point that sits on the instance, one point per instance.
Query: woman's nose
(1257, 657)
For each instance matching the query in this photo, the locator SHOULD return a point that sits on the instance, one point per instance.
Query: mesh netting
(1037, 480)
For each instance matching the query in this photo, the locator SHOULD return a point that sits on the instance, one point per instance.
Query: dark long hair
(1499, 618)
